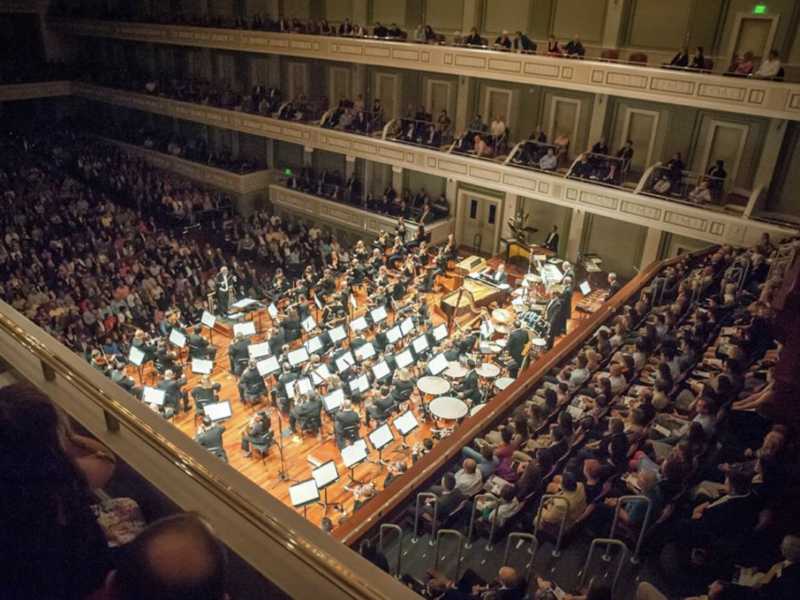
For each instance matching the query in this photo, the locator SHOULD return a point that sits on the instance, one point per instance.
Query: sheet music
(208, 320)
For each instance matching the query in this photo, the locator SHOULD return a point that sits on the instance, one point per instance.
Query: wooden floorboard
(296, 453)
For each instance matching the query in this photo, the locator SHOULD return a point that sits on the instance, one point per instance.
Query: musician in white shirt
(500, 276)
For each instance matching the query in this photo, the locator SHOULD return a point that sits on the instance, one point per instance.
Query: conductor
(223, 288)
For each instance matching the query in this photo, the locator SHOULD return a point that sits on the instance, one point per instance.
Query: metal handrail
(537, 521)
(532, 550)
(460, 536)
(489, 546)
(415, 539)
(399, 530)
(627, 499)
(608, 543)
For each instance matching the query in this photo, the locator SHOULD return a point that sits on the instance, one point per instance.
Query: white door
(480, 223)
(753, 33)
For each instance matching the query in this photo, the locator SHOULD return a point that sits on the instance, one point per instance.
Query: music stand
(137, 358)
(380, 437)
(208, 320)
(176, 338)
(282, 476)
(405, 424)
(325, 475)
(354, 455)
(304, 493)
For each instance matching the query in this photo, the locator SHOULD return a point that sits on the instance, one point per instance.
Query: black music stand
(326, 475)
(380, 437)
(304, 493)
(282, 476)
(354, 455)
(405, 424)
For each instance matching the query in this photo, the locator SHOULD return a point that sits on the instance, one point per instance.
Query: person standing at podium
(551, 243)
(223, 290)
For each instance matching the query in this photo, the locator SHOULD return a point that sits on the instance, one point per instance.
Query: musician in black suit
(566, 296)
(238, 354)
(356, 274)
(551, 243)
(251, 382)
(517, 340)
(613, 286)
(500, 275)
(257, 431)
(306, 413)
(468, 389)
(199, 347)
(121, 378)
(552, 315)
(140, 342)
(346, 417)
(567, 271)
(173, 394)
(209, 436)
(223, 290)
(327, 285)
(382, 407)
(450, 249)
(167, 360)
(277, 339)
(467, 343)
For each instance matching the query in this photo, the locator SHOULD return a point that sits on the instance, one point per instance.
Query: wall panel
(445, 16)
(503, 14)
(390, 11)
(585, 18)
(659, 24)
(338, 10)
(618, 243)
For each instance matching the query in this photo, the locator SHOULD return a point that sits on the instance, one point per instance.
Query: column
(470, 18)
(308, 156)
(509, 211)
(274, 74)
(574, 234)
(613, 25)
(598, 123)
(463, 96)
(769, 159)
(236, 148)
(359, 84)
(349, 166)
(270, 145)
(397, 179)
(651, 245)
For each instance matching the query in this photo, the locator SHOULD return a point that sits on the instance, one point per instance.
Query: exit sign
(760, 9)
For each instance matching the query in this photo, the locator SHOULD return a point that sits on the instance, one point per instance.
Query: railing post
(421, 495)
(624, 500)
(556, 498)
(608, 543)
(460, 536)
(477, 498)
(534, 547)
(399, 531)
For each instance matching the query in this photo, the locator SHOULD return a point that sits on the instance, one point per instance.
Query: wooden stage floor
(296, 452)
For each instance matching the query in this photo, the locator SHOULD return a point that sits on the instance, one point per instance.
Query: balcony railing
(632, 79)
(291, 552)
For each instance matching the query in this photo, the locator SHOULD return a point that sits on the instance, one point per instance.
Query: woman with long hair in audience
(52, 545)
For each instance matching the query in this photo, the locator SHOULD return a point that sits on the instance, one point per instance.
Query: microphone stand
(282, 476)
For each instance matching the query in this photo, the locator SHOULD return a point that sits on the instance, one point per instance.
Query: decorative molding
(31, 91)
(616, 203)
(743, 96)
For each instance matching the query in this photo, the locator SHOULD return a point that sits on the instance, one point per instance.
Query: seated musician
(380, 341)
(302, 307)
(383, 277)
(205, 392)
(167, 360)
(450, 249)
(307, 413)
(200, 347)
(345, 417)
(426, 280)
(400, 228)
(238, 354)
(173, 394)
(375, 301)
(360, 251)
(375, 263)
(326, 285)
(362, 494)
(99, 363)
(468, 389)
(500, 276)
(382, 406)
(398, 252)
(250, 381)
(403, 387)
(451, 353)
(291, 325)
(439, 263)
(276, 338)
(419, 237)
(142, 343)
(468, 341)
(279, 283)
(257, 431)
(120, 377)
(355, 275)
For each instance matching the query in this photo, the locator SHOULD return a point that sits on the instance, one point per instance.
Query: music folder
(304, 493)
(176, 338)
(406, 423)
(585, 288)
(202, 367)
(218, 411)
(298, 357)
(247, 329)
(268, 366)
(437, 364)
(208, 320)
(378, 314)
(136, 356)
(325, 474)
(257, 351)
(439, 332)
(381, 437)
(152, 395)
(354, 455)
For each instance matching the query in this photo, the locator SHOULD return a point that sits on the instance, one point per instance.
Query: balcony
(276, 541)
(714, 226)
(19, 6)
(744, 96)
(32, 91)
(241, 184)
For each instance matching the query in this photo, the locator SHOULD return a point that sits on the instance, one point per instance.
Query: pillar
(510, 205)
(598, 122)
(575, 234)
(359, 84)
(308, 156)
(349, 166)
(612, 29)
(651, 245)
(770, 152)
(463, 96)
(471, 16)
(270, 146)
(397, 179)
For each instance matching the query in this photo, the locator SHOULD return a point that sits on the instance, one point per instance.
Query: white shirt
(768, 68)
(469, 484)
(497, 128)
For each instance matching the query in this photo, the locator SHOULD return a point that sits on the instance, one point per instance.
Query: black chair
(350, 434)
(219, 453)
(254, 392)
